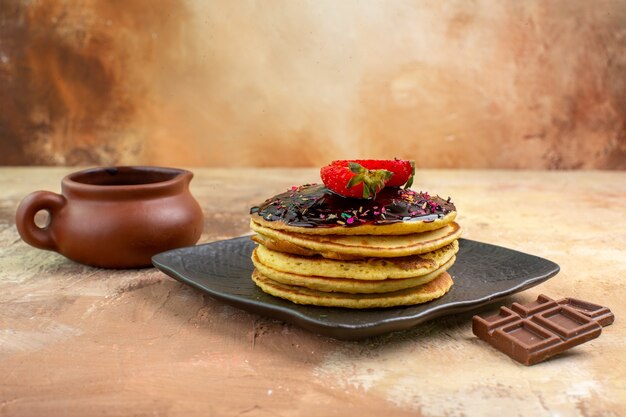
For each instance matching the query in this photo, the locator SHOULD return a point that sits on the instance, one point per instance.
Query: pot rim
(179, 178)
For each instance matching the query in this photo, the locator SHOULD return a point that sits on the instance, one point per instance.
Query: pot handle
(39, 237)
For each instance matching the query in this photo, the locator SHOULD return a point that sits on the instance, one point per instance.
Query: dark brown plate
(482, 274)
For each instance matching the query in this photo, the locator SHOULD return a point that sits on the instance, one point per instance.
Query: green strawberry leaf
(366, 191)
(357, 179)
(373, 180)
(356, 168)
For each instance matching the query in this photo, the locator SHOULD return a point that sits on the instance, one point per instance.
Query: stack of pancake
(322, 249)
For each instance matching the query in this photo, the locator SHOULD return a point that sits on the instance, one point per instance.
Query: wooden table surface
(78, 341)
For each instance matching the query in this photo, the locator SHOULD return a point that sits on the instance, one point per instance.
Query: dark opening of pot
(125, 176)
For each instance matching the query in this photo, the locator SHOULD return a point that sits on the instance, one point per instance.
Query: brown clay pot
(114, 217)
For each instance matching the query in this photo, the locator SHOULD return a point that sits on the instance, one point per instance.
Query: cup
(117, 217)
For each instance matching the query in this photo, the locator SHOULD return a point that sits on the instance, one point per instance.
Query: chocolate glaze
(313, 205)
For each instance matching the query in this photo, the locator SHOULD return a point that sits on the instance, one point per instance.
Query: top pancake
(315, 210)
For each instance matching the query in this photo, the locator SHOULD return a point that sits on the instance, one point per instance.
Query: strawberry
(351, 179)
(403, 170)
(363, 178)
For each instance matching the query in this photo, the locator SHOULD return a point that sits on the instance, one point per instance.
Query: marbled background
(476, 84)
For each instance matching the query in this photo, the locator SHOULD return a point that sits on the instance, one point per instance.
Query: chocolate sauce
(313, 205)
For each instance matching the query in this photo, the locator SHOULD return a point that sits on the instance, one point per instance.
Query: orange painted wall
(480, 84)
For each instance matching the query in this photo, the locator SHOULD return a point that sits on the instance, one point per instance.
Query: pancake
(350, 285)
(369, 269)
(314, 209)
(410, 296)
(288, 247)
(329, 246)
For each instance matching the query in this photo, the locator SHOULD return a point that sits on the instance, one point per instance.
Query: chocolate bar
(543, 328)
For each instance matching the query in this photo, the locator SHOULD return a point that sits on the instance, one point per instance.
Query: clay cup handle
(39, 237)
